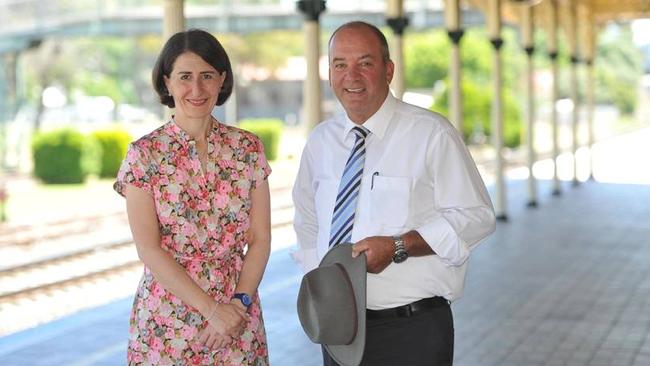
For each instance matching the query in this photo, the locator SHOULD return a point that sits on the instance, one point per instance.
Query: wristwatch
(244, 298)
(400, 251)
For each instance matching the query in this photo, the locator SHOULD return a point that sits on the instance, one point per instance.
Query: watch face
(246, 300)
(400, 256)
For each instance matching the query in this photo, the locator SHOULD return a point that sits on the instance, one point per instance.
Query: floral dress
(203, 218)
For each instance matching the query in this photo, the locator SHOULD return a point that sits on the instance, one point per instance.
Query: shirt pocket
(390, 199)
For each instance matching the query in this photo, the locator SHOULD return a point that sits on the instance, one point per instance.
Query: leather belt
(408, 310)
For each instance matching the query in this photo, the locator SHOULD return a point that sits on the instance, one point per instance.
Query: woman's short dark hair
(200, 42)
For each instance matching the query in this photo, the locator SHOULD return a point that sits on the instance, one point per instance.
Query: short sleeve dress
(203, 218)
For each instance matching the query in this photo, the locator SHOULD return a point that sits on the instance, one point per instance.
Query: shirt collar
(179, 134)
(378, 122)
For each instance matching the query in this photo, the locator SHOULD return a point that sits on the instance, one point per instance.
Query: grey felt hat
(332, 304)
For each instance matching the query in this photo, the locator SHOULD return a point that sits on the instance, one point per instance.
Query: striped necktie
(346, 199)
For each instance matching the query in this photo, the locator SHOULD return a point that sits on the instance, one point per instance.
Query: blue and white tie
(346, 199)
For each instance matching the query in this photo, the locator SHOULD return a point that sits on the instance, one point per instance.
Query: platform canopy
(597, 11)
(580, 20)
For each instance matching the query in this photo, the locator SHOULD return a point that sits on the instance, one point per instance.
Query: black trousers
(423, 339)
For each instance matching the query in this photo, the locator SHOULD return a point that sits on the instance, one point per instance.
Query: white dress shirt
(418, 175)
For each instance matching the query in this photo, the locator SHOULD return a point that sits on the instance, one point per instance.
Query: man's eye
(339, 66)
(185, 77)
(207, 76)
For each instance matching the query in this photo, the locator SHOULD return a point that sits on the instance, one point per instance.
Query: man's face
(358, 74)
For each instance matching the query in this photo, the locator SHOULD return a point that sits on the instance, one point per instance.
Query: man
(404, 189)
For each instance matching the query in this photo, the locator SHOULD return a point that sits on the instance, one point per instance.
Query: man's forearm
(415, 245)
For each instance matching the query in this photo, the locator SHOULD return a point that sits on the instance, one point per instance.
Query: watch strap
(400, 254)
(244, 298)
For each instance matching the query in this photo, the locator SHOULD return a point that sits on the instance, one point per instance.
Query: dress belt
(408, 310)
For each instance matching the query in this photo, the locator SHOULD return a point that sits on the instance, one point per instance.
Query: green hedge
(64, 156)
(477, 108)
(113, 143)
(269, 131)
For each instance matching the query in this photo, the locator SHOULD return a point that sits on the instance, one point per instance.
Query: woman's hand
(210, 338)
(225, 322)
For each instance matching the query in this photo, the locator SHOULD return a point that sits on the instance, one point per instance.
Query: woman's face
(194, 84)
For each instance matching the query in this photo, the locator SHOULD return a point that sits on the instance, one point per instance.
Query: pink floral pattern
(203, 218)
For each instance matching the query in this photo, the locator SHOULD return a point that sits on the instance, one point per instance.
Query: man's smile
(354, 90)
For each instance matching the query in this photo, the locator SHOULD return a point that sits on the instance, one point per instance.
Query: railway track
(24, 235)
(83, 262)
(30, 234)
(66, 269)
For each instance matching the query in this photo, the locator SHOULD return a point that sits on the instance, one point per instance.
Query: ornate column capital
(398, 24)
(530, 50)
(497, 43)
(311, 9)
(456, 35)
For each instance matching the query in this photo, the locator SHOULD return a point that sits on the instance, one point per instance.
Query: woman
(198, 205)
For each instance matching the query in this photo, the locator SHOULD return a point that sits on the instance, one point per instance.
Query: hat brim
(350, 354)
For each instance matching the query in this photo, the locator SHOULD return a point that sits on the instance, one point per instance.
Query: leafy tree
(111, 67)
(114, 67)
(427, 57)
(51, 63)
(618, 67)
(262, 49)
(477, 107)
(265, 50)
(427, 62)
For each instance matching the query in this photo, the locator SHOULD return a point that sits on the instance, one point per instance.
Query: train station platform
(565, 283)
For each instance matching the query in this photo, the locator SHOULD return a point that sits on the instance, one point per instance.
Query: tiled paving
(566, 283)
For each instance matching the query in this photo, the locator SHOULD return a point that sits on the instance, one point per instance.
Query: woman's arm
(259, 241)
(224, 319)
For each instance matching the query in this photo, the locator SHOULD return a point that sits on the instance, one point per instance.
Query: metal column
(455, 33)
(397, 22)
(494, 31)
(311, 9)
(173, 18)
(528, 43)
(552, 54)
(572, 37)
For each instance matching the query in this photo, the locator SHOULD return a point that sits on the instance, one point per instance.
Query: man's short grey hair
(361, 24)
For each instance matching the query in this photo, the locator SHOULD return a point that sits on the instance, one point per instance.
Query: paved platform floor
(566, 283)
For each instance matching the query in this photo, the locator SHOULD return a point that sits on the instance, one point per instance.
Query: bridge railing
(20, 16)
(27, 22)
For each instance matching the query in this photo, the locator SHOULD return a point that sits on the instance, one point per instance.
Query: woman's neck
(197, 128)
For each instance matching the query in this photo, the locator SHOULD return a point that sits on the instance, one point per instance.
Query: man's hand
(379, 252)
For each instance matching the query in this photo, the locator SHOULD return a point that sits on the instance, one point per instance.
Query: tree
(427, 63)
(619, 66)
(52, 63)
(427, 57)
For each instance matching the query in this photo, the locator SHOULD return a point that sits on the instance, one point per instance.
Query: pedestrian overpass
(27, 23)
